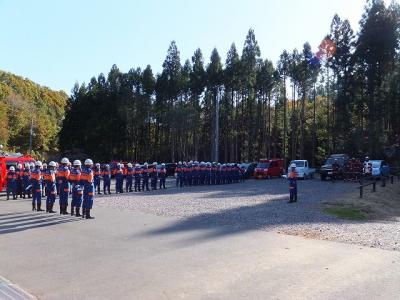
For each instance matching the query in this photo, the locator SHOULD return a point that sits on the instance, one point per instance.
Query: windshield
(376, 164)
(11, 163)
(262, 165)
(298, 163)
(331, 160)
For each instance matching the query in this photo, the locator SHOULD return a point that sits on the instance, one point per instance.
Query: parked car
(303, 169)
(379, 168)
(248, 169)
(268, 168)
(326, 169)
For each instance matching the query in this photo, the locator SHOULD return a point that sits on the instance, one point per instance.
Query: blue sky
(57, 43)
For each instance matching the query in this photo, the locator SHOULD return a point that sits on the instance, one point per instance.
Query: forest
(342, 97)
(25, 108)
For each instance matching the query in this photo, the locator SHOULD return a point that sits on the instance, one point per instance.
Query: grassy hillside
(23, 102)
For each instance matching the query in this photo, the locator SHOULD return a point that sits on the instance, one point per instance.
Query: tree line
(344, 97)
(29, 110)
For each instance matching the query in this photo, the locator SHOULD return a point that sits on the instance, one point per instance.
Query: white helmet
(122, 165)
(38, 163)
(52, 164)
(145, 164)
(129, 165)
(155, 163)
(44, 165)
(32, 164)
(27, 165)
(12, 168)
(293, 165)
(65, 160)
(19, 166)
(77, 162)
(179, 163)
(137, 165)
(88, 162)
(163, 164)
(97, 165)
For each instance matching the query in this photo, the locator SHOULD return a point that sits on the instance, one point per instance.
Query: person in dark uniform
(77, 188)
(145, 177)
(129, 178)
(119, 179)
(88, 189)
(12, 183)
(138, 175)
(106, 174)
(162, 174)
(19, 171)
(97, 178)
(335, 170)
(51, 191)
(179, 175)
(292, 177)
(36, 182)
(154, 176)
(63, 175)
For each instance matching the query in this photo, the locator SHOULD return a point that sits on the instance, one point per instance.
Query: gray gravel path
(261, 205)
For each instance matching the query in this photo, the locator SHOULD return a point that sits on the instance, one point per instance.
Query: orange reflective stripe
(90, 194)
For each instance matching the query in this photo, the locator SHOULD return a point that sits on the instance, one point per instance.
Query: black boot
(72, 211)
(33, 206)
(39, 207)
(77, 212)
(51, 208)
(47, 207)
(65, 210)
(88, 214)
(83, 213)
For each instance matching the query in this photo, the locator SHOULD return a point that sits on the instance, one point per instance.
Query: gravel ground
(261, 205)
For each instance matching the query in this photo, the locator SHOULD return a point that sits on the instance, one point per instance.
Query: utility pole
(216, 137)
(314, 129)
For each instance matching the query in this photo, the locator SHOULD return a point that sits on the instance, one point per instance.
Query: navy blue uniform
(162, 174)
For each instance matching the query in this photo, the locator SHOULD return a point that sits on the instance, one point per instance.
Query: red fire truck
(7, 160)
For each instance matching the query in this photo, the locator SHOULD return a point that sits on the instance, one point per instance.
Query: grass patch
(346, 213)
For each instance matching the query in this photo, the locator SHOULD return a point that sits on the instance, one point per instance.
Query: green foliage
(24, 103)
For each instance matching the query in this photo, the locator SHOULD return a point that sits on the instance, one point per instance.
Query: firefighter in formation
(66, 180)
(195, 173)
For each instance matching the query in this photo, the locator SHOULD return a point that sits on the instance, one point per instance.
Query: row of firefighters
(41, 180)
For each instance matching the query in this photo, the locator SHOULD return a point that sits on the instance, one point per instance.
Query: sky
(58, 43)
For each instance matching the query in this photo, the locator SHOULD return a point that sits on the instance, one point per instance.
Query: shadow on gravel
(267, 215)
(245, 218)
(26, 221)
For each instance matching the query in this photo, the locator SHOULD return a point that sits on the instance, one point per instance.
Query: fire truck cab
(7, 160)
(268, 168)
